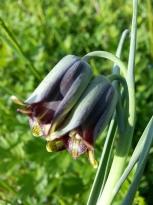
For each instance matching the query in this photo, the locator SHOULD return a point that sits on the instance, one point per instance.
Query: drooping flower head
(56, 95)
(69, 109)
(88, 118)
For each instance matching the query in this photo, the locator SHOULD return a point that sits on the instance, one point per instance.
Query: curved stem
(122, 112)
(124, 142)
(107, 55)
(120, 79)
(103, 168)
(119, 49)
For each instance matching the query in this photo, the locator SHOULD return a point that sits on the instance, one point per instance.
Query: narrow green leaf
(105, 160)
(107, 55)
(124, 143)
(141, 164)
(134, 158)
(103, 165)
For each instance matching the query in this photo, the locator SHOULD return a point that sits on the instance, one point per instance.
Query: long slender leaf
(134, 158)
(102, 171)
(141, 164)
(103, 166)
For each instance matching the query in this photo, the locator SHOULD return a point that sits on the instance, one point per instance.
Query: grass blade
(141, 164)
(102, 171)
(134, 158)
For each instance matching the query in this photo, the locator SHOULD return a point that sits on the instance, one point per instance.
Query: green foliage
(46, 31)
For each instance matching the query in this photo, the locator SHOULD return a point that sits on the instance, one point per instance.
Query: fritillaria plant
(71, 107)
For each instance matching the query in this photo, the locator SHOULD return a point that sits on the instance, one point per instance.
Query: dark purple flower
(56, 95)
(89, 117)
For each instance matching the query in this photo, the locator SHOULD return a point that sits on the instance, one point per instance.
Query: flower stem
(107, 55)
(124, 141)
(103, 168)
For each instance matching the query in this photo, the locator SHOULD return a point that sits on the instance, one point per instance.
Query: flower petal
(107, 114)
(41, 117)
(75, 146)
(80, 75)
(46, 90)
(84, 107)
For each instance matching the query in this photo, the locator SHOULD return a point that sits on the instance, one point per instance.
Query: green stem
(141, 164)
(124, 142)
(107, 55)
(105, 160)
(115, 77)
(102, 171)
(138, 151)
(119, 49)
(121, 112)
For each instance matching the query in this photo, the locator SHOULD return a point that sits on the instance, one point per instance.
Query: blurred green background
(45, 31)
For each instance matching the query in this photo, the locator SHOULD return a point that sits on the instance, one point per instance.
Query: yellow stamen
(24, 111)
(92, 160)
(16, 100)
(76, 141)
(53, 128)
(75, 145)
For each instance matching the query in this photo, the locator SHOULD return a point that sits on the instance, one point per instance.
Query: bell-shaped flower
(89, 118)
(56, 95)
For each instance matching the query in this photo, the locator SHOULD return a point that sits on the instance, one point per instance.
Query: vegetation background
(45, 31)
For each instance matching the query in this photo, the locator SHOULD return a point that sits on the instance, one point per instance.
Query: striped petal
(72, 86)
(85, 106)
(48, 88)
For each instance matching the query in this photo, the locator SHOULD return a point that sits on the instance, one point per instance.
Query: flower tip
(27, 112)
(95, 164)
(54, 146)
(49, 147)
(92, 160)
(16, 100)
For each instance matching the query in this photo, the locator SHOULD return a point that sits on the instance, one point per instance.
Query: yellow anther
(92, 160)
(36, 130)
(16, 100)
(54, 146)
(50, 146)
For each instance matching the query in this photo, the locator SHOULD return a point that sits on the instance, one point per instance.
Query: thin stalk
(141, 165)
(121, 113)
(120, 110)
(124, 142)
(141, 145)
(19, 49)
(107, 55)
(119, 48)
(105, 160)
(103, 165)
(118, 78)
